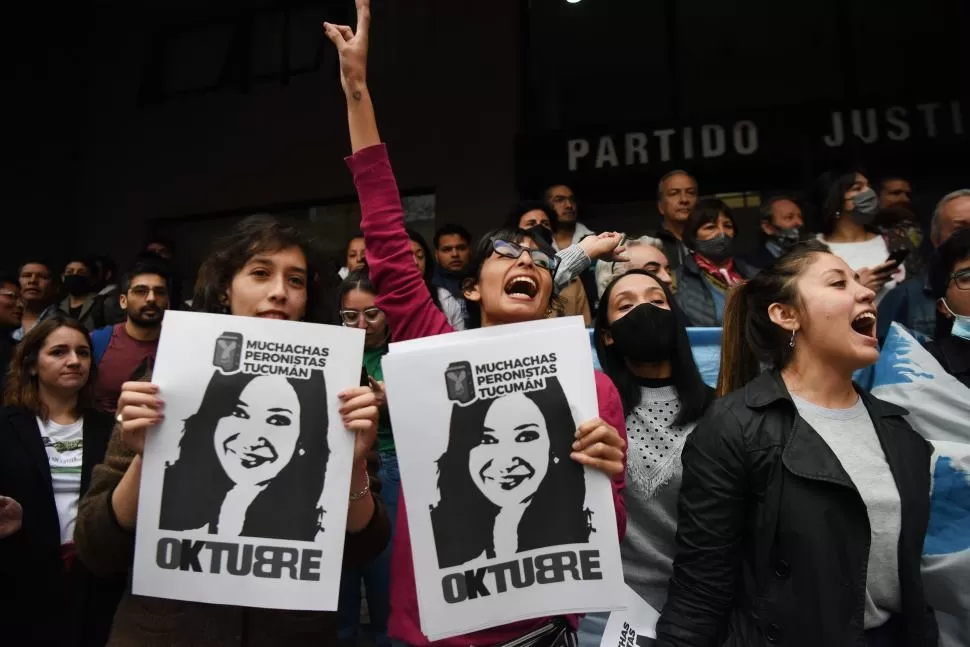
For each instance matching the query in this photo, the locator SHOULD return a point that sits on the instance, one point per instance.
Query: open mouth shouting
(522, 287)
(253, 455)
(865, 324)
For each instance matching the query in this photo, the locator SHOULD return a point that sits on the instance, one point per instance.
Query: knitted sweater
(653, 474)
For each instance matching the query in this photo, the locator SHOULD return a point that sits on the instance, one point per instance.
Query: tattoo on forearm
(356, 95)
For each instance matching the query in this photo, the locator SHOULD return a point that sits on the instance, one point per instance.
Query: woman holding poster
(244, 430)
(805, 500)
(511, 281)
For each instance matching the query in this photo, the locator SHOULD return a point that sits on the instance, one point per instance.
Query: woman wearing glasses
(950, 280)
(357, 298)
(510, 279)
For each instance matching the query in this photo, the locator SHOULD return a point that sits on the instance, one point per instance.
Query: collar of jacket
(769, 387)
(806, 453)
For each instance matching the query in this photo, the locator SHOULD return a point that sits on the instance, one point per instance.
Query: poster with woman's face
(504, 524)
(244, 490)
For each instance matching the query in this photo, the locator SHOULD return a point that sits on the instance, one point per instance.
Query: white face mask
(961, 323)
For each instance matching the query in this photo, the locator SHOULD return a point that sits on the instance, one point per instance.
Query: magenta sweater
(402, 295)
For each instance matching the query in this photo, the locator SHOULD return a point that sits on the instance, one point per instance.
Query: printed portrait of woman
(252, 460)
(506, 482)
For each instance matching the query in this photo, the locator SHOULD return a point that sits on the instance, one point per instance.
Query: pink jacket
(411, 314)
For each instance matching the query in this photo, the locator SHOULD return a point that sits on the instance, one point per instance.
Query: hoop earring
(791, 344)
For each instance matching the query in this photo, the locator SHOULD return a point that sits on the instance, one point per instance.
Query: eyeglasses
(961, 278)
(562, 199)
(9, 294)
(143, 292)
(352, 317)
(513, 251)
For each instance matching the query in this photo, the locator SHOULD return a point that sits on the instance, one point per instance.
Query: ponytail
(750, 338)
(739, 362)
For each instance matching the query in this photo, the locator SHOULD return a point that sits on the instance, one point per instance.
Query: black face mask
(645, 334)
(77, 285)
(717, 249)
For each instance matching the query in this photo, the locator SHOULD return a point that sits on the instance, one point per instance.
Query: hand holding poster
(504, 525)
(244, 488)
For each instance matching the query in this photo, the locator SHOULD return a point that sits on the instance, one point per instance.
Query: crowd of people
(785, 506)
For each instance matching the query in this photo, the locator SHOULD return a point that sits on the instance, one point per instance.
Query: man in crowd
(452, 244)
(165, 249)
(894, 190)
(126, 351)
(161, 247)
(107, 286)
(11, 311)
(39, 294)
(569, 231)
(82, 301)
(911, 303)
(781, 228)
(676, 196)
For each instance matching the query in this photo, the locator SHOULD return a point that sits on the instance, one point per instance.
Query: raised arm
(402, 293)
(575, 259)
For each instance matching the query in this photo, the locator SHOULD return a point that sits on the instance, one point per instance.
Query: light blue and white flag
(939, 409)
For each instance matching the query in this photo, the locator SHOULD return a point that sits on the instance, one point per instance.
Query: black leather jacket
(773, 537)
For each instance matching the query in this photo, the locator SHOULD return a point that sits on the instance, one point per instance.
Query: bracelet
(357, 496)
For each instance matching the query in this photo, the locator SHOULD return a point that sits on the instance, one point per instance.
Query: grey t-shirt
(852, 438)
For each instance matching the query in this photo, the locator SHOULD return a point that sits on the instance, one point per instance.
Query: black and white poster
(504, 524)
(244, 488)
(635, 626)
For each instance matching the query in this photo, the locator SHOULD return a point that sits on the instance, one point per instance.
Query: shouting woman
(804, 499)
(263, 268)
(511, 280)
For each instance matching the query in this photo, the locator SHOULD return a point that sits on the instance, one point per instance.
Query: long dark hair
(749, 338)
(257, 235)
(195, 485)
(830, 190)
(694, 394)
(464, 518)
(429, 261)
(483, 250)
(22, 388)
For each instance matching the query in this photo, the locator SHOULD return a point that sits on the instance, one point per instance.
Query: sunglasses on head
(514, 251)
(352, 317)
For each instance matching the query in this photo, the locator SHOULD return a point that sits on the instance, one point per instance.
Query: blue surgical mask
(961, 323)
